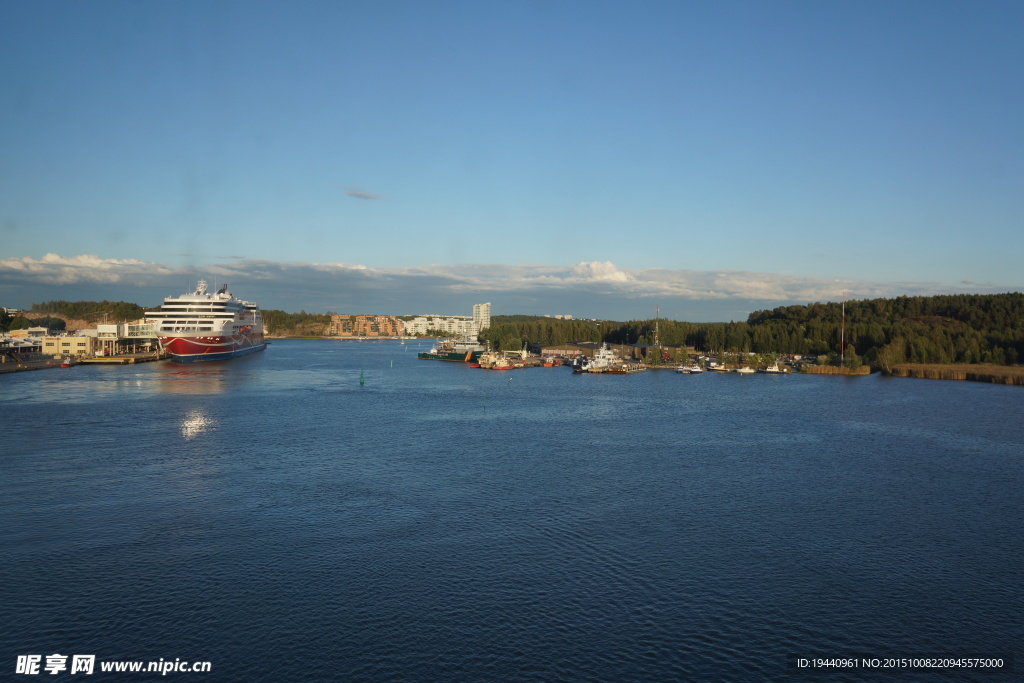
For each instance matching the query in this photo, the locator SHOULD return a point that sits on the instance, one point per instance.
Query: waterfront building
(452, 325)
(103, 340)
(455, 326)
(20, 344)
(365, 326)
(78, 346)
(133, 337)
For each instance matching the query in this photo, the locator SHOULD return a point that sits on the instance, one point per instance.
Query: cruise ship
(204, 326)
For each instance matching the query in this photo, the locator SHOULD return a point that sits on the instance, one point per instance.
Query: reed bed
(995, 374)
(833, 370)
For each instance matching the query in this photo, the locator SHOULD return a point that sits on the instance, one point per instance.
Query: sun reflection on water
(195, 423)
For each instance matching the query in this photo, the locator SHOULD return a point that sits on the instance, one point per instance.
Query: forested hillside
(963, 328)
(301, 324)
(100, 311)
(960, 328)
(55, 315)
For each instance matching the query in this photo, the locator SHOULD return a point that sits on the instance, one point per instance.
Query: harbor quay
(116, 344)
(601, 357)
(20, 362)
(40, 361)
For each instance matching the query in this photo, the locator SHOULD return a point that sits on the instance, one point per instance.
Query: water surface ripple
(277, 518)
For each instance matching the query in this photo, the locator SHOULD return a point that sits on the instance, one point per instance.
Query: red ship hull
(188, 349)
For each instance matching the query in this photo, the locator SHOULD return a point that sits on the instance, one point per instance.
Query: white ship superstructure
(208, 326)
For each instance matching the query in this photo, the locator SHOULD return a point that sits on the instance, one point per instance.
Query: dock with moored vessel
(124, 358)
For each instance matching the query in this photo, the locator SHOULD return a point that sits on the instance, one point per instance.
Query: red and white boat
(204, 326)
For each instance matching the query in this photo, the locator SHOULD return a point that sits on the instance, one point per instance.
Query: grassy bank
(995, 374)
(833, 370)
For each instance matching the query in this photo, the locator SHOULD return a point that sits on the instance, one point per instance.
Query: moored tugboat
(456, 350)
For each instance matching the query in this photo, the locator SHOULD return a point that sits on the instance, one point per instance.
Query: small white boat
(745, 370)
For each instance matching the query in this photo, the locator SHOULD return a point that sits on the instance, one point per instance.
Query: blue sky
(591, 158)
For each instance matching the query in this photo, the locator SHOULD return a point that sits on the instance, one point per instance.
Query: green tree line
(18, 322)
(956, 328)
(959, 328)
(55, 314)
(93, 311)
(511, 332)
(298, 324)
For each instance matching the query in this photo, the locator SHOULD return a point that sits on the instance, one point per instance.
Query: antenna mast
(842, 335)
(657, 318)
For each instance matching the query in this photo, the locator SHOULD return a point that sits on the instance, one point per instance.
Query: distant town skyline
(596, 159)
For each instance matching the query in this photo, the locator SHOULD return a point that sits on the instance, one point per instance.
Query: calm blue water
(270, 515)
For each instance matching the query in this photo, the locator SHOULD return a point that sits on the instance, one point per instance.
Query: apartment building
(365, 326)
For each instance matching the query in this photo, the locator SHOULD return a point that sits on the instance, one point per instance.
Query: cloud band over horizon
(585, 289)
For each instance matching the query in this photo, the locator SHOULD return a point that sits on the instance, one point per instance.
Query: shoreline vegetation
(833, 370)
(971, 337)
(993, 374)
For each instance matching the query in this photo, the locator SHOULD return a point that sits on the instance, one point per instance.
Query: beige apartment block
(69, 346)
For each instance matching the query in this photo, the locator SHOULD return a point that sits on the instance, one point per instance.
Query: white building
(452, 325)
(482, 316)
(459, 326)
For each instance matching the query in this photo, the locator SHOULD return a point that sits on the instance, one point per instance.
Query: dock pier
(125, 358)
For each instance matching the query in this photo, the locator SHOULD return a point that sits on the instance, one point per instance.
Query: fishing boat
(718, 366)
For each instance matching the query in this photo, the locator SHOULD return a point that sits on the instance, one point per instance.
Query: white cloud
(599, 286)
(601, 271)
(85, 268)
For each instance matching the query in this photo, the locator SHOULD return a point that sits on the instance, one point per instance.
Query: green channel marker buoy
(361, 380)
